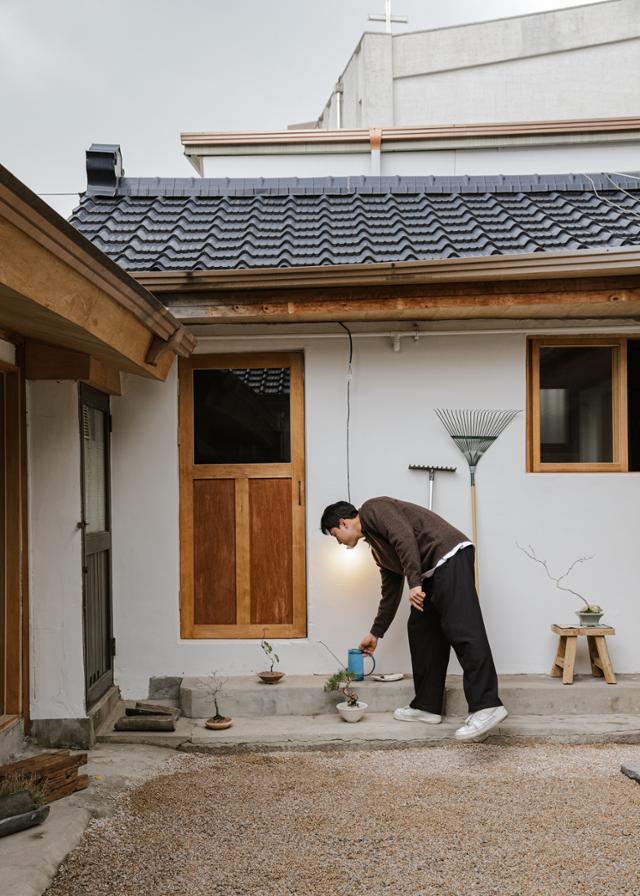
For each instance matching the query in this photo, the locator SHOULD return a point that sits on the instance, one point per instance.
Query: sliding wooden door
(242, 536)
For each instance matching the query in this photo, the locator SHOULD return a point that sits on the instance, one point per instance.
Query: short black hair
(332, 515)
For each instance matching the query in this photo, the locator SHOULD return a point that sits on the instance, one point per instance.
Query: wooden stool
(598, 653)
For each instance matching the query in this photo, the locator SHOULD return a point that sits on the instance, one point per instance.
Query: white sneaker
(477, 726)
(407, 714)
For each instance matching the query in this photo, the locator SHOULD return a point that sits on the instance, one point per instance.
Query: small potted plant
(21, 803)
(351, 709)
(272, 676)
(217, 722)
(589, 615)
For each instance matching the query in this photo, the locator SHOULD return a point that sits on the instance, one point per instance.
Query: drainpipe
(338, 92)
(375, 142)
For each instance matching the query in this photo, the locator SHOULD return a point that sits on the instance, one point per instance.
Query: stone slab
(164, 687)
(631, 771)
(169, 739)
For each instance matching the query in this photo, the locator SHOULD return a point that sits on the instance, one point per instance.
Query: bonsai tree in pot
(272, 676)
(590, 614)
(215, 686)
(351, 709)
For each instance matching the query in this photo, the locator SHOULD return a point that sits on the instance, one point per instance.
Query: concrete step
(171, 739)
(248, 697)
(380, 731)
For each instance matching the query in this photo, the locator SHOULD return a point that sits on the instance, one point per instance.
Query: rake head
(474, 431)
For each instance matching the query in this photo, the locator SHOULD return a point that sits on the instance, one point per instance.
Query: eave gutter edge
(194, 139)
(25, 210)
(587, 262)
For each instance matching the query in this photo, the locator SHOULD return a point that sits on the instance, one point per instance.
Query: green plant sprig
(273, 657)
(343, 676)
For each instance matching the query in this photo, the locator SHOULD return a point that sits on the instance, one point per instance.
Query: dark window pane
(241, 416)
(576, 410)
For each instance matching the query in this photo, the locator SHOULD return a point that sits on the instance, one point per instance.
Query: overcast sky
(138, 72)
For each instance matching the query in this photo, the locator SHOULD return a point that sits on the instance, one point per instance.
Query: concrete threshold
(378, 731)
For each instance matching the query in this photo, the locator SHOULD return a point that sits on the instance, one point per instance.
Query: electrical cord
(349, 369)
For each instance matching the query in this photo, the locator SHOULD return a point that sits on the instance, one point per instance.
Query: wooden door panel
(214, 548)
(271, 553)
(242, 538)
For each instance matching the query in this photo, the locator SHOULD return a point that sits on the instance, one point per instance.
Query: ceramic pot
(351, 713)
(589, 619)
(271, 677)
(218, 724)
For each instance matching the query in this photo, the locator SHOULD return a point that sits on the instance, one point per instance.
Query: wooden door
(242, 536)
(99, 647)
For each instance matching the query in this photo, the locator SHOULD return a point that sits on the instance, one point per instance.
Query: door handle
(82, 524)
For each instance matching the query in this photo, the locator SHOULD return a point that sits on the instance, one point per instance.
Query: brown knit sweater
(406, 540)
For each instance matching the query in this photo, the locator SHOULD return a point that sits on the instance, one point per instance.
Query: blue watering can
(355, 663)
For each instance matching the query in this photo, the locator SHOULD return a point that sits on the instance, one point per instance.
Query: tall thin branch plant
(531, 554)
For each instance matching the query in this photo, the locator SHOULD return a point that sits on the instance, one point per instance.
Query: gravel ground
(453, 821)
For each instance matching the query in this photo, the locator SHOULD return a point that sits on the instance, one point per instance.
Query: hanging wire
(349, 368)
(620, 188)
(627, 211)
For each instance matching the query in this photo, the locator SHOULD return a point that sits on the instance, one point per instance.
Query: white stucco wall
(579, 62)
(393, 425)
(586, 153)
(537, 158)
(55, 551)
(596, 82)
(303, 163)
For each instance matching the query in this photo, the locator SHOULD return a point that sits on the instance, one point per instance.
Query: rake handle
(474, 535)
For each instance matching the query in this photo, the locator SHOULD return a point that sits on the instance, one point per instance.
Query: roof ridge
(194, 187)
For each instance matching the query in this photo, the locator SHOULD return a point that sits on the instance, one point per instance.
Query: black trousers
(451, 618)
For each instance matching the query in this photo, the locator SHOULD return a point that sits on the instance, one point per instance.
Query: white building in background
(581, 62)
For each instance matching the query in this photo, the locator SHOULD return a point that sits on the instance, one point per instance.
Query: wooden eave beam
(574, 298)
(49, 362)
(54, 267)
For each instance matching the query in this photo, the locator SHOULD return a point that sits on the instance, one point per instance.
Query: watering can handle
(370, 656)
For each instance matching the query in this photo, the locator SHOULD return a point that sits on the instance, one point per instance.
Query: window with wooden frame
(583, 404)
(242, 526)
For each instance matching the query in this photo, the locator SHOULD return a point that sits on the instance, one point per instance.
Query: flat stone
(164, 687)
(631, 771)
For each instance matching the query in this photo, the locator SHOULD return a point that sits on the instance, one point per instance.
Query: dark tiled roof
(160, 224)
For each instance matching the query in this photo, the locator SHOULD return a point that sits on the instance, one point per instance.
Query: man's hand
(416, 598)
(368, 644)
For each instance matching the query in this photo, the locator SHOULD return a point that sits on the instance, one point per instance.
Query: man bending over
(408, 541)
